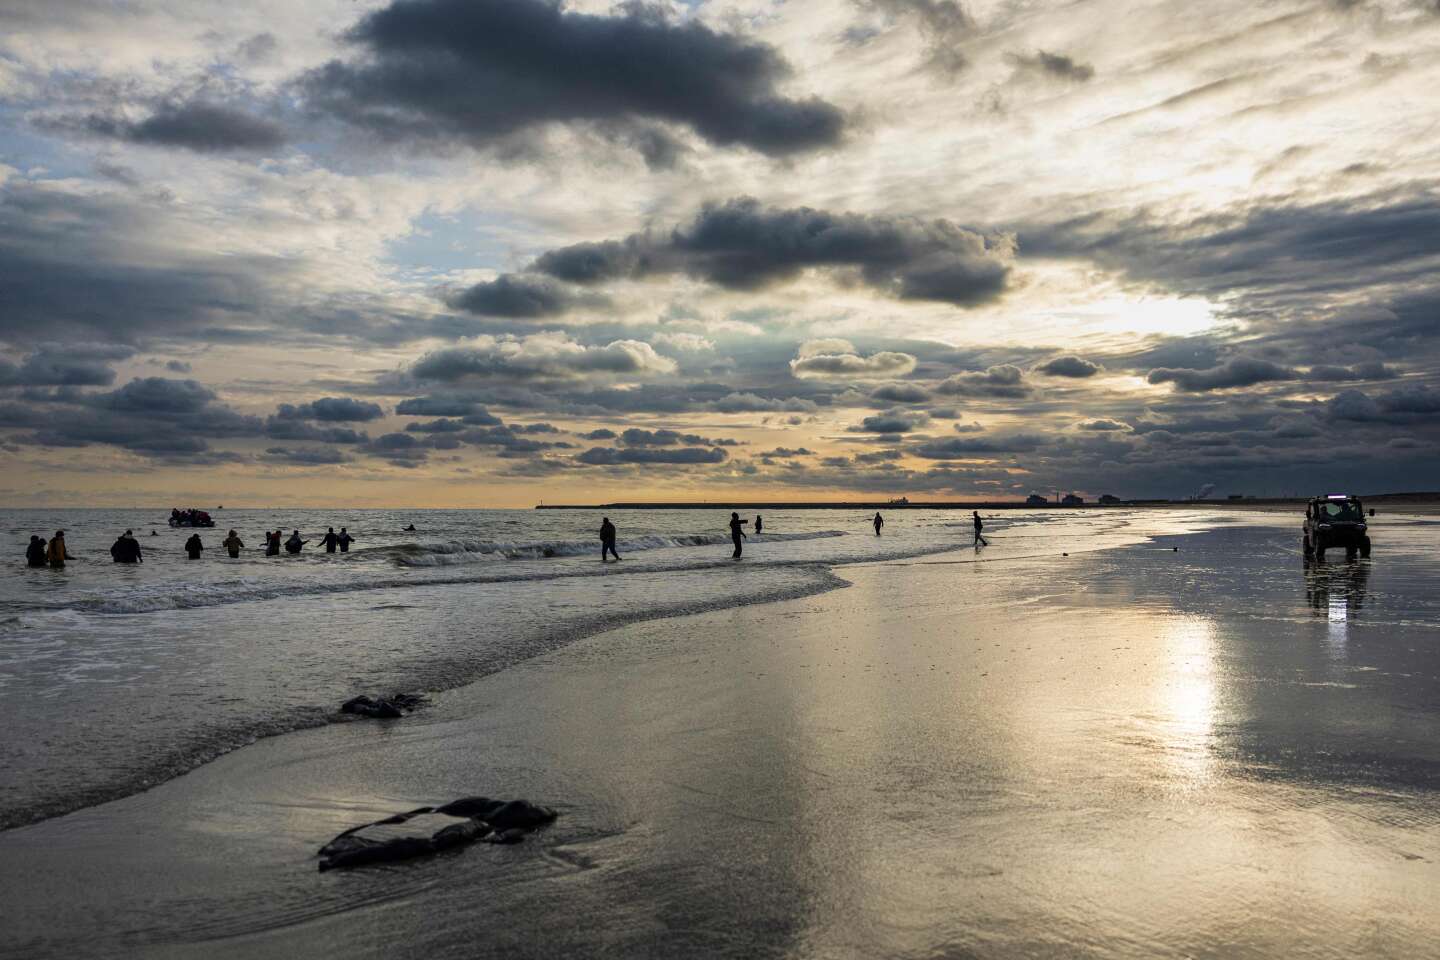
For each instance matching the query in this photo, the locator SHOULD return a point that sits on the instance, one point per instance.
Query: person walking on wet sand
(35, 553)
(979, 540)
(233, 545)
(879, 522)
(55, 553)
(330, 540)
(737, 532)
(607, 539)
(344, 540)
(759, 524)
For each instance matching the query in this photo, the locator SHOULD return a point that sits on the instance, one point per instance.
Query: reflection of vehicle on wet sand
(1336, 590)
(1335, 521)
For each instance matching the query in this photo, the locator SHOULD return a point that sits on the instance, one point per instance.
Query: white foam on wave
(453, 552)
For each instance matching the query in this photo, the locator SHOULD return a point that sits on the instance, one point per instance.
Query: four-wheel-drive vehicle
(1336, 521)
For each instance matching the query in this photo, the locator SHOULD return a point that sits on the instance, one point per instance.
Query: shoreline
(183, 760)
(884, 769)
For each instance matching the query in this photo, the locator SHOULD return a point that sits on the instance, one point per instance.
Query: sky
(483, 253)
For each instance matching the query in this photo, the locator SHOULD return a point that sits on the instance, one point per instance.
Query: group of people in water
(126, 549)
(190, 518)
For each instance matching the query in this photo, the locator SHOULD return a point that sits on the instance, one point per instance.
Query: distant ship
(900, 502)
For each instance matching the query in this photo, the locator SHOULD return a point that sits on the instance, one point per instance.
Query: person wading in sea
(55, 553)
(736, 533)
(759, 524)
(194, 546)
(294, 544)
(35, 553)
(126, 549)
(607, 539)
(345, 540)
(233, 545)
(879, 522)
(330, 540)
(272, 544)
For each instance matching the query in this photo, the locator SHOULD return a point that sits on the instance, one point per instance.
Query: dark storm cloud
(521, 297)
(609, 456)
(314, 456)
(65, 272)
(963, 448)
(1002, 381)
(1052, 65)
(64, 366)
(438, 406)
(743, 245)
(280, 429)
(151, 416)
(601, 434)
(1239, 372)
(197, 125)
(509, 441)
(900, 393)
(1404, 405)
(482, 71)
(332, 410)
(1069, 366)
(635, 437)
(747, 402)
(893, 421)
(1373, 370)
(443, 425)
(1102, 425)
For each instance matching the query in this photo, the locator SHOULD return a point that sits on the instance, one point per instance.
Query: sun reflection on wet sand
(1189, 699)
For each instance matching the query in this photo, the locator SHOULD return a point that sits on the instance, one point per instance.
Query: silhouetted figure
(272, 544)
(410, 529)
(193, 546)
(294, 544)
(978, 526)
(345, 540)
(759, 524)
(55, 553)
(233, 545)
(330, 540)
(879, 522)
(736, 533)
(126, 549)
(154, 534)
(607, 539)
(35, 553)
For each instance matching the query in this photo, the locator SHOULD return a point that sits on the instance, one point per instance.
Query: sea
(115, 677)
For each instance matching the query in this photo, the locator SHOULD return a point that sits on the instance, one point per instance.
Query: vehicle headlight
(1324, 526)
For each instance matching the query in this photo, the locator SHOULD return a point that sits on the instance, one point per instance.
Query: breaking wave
(453, 552)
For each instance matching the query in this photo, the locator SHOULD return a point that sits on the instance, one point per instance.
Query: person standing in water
(607, 539)
(233, 545)
(294, 544)
(330, 540)
(193, 546)
(979, 540)
(35, 553)
(879, 522)
(736, 533)
(55, 553)
(272, 543)
(759, 524)
(126, 549)
(345, 540)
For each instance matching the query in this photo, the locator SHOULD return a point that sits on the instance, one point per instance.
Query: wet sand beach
(1138, 752)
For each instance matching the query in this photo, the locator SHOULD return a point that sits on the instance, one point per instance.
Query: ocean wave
(453, 552)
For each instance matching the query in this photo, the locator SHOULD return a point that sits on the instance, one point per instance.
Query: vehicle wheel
(1350, 553)
(1365, 549)
(1319, 553)
(1306, 547)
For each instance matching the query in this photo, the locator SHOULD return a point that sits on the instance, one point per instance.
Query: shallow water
(1215, 751)
(116, 677)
